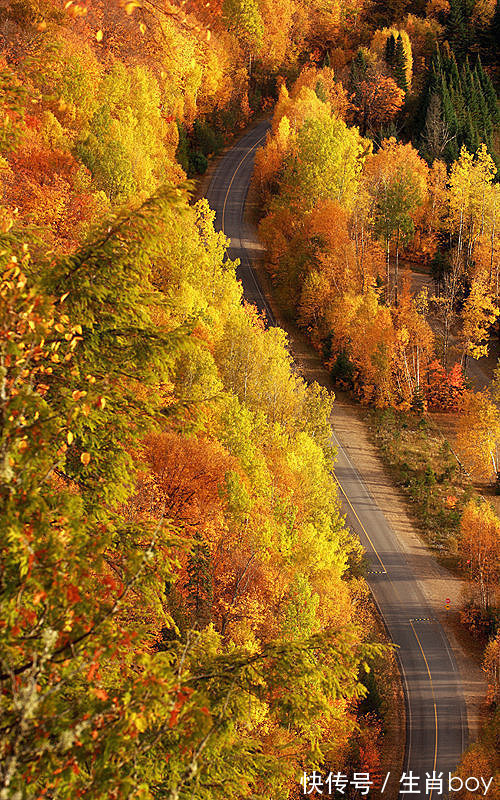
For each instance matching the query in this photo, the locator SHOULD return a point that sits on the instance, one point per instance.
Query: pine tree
(489, 92)
(470, 134)
(199, 584)
(448, 107)
(390, 50)
(457, 32)
(470, 108)
(359, 66)
(400, 65)
(484, 117)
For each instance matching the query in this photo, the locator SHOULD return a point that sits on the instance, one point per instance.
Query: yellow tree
(414, 345)
(478, 434)
(396, 178)
(269, 160)
(372, 344)
(470, 179)
(326, 163)
(492, 234)
(491, 666)
(478, 314)
(479, 549)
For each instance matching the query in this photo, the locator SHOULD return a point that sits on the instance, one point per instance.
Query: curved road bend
(436, 723)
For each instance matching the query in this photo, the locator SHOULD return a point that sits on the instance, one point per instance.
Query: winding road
(436, 718)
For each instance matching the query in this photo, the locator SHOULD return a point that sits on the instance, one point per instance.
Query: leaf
(99, 36)
(130, 5)
(85, 458)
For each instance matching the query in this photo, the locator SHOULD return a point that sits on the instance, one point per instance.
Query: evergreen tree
(199, 584)
(400, 65)
(470, 134)
(489, 92)
(390, 50)
(457, 29)
(468, 100)
(359, 66)
(448, 107)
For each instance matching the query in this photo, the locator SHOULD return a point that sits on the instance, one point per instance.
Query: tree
(395, 43)
(445, 390)
(491, 666)
(359, 68)
(379, 101)
(396, 178)
(436, 135)
(390, 49)
(414, 346)
(478, 315)
(400, 65)
(12, 108)
(478, 434)
(479, 549)
(469, 180)
(457, 27)
(326, 161)
(71, 555)
(102, 694)
(243, 17)
(469, 107)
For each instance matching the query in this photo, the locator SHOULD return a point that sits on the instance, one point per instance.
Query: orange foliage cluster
(445, 389)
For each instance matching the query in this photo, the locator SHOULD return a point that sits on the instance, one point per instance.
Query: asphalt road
(436, 714)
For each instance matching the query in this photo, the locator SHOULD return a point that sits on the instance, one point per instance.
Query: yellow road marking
(234, 176)
(433, 699)
(361, 524)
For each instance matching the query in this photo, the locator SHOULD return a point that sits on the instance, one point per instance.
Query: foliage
(445, 389)
(478, 434)
(175, 586)
(468, 103)
(178, 613)
(479, 550)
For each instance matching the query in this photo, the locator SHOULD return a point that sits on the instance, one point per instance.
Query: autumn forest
(185, 611)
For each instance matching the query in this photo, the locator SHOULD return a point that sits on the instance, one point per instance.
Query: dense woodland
(182, 608)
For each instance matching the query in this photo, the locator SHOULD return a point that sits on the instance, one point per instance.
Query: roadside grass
(423, 465)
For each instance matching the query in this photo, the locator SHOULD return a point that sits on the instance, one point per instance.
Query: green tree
(326, 162)
(244, 18)
(400, 64)
(390, 50)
